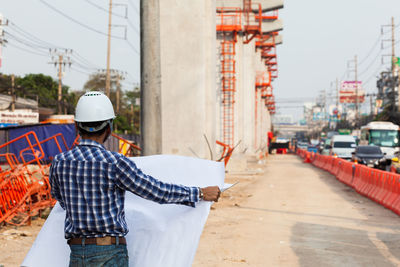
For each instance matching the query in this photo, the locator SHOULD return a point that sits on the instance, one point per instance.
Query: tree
(40, 87)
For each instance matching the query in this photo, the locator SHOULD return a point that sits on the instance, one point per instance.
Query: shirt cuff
(194, 194)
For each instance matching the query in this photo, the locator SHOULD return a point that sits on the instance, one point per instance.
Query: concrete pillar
(188, 83)
(151, 130)
(250, 72)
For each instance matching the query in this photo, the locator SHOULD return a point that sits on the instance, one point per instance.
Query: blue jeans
(95, 255)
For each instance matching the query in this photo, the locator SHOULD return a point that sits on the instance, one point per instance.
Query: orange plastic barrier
(346, 172)
(380, 186)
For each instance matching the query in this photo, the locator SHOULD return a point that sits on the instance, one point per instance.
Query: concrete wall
(188, 83)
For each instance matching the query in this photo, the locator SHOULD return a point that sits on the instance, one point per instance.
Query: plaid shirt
(90, 182)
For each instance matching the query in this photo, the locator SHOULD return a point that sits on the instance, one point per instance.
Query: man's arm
(55, 189)
(131, 178)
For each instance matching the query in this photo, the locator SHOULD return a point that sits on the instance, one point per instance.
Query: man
(90, 182)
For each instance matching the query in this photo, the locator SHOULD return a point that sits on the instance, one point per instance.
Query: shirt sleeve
(129, 177)
(55, 189)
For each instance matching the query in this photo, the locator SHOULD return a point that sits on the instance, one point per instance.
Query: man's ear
(107, 133)
(76, 128)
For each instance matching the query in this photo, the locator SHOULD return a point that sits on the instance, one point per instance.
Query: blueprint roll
(159, 235)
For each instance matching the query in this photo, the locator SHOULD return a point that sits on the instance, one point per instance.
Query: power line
(132, 46)
(370, 51)
(134, 6)
(86, 26)
(117, 15)
(371, 64)
(104, 9)
(26, 50)
(76, 21)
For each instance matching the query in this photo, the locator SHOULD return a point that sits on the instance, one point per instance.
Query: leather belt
(101, 241)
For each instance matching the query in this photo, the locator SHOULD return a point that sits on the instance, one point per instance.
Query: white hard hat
(94, 106)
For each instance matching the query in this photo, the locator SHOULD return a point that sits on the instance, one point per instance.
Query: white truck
(383, 134)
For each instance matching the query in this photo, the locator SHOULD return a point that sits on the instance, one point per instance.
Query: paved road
(294, 214)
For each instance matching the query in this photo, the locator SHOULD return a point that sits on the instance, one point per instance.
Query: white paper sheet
(228, 186)
(160, 235)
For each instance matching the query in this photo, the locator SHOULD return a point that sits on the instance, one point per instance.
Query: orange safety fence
(126, 147)
(380, 186)
(24, 185)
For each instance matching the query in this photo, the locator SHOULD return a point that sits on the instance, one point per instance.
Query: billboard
(20, 116)
(347, 92)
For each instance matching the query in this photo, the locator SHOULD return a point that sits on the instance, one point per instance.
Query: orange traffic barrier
(380, 186)
(307, 158)
(346, 172)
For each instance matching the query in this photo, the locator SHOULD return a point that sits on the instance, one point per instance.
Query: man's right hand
(211, 193)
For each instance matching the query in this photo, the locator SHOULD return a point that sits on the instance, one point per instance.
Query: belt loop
(117, 240)
(83, 241)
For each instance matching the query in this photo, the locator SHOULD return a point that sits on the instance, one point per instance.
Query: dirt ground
(15, 242)
(294, 214)
(282, 213)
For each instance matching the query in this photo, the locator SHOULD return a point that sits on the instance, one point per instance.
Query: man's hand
(211, 193)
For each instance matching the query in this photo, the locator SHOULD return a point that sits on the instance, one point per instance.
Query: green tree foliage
(44, 89)
(40, 87)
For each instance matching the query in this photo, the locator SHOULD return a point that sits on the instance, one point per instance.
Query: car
(372, 156)
(302, 144)
(343, 146)
(312, 148)
(327, 147)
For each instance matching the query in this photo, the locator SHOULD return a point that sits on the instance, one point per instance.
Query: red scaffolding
(229, 22)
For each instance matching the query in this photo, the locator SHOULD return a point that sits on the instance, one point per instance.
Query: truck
(383, 134)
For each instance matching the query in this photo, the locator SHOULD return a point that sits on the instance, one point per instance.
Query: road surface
(288, 213)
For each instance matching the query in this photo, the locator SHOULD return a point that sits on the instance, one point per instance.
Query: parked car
(327, 147)
(371, 156)
(343, 146)
(312, 148)
(302, 144)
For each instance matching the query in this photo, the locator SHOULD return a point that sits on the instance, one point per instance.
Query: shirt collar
(89, 142)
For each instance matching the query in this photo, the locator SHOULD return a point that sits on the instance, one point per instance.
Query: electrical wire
(76, 21)
(86, 26)
(25, 42)
(370, 65)
(133, 47)
(371, 50)
(134, 6)
(117, 15)
(104, 9)
(26, 50)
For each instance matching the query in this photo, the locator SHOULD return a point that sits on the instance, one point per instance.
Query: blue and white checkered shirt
(90, 182)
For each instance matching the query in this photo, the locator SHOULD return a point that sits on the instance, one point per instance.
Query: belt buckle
(103, 241)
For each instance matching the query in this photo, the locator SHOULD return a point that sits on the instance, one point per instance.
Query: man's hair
(94, 124)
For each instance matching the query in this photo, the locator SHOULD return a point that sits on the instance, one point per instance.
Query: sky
(320, 38)
(84, 33)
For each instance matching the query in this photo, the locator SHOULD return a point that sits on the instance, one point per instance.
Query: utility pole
(150, 94)
(356, 83)
(59, 97)
(393, 46)
(394, 60)
(118, 93)
(337, 94)
(1, 37)
(370, 105)
(60, 60)
(12, 92)
(108, 78)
